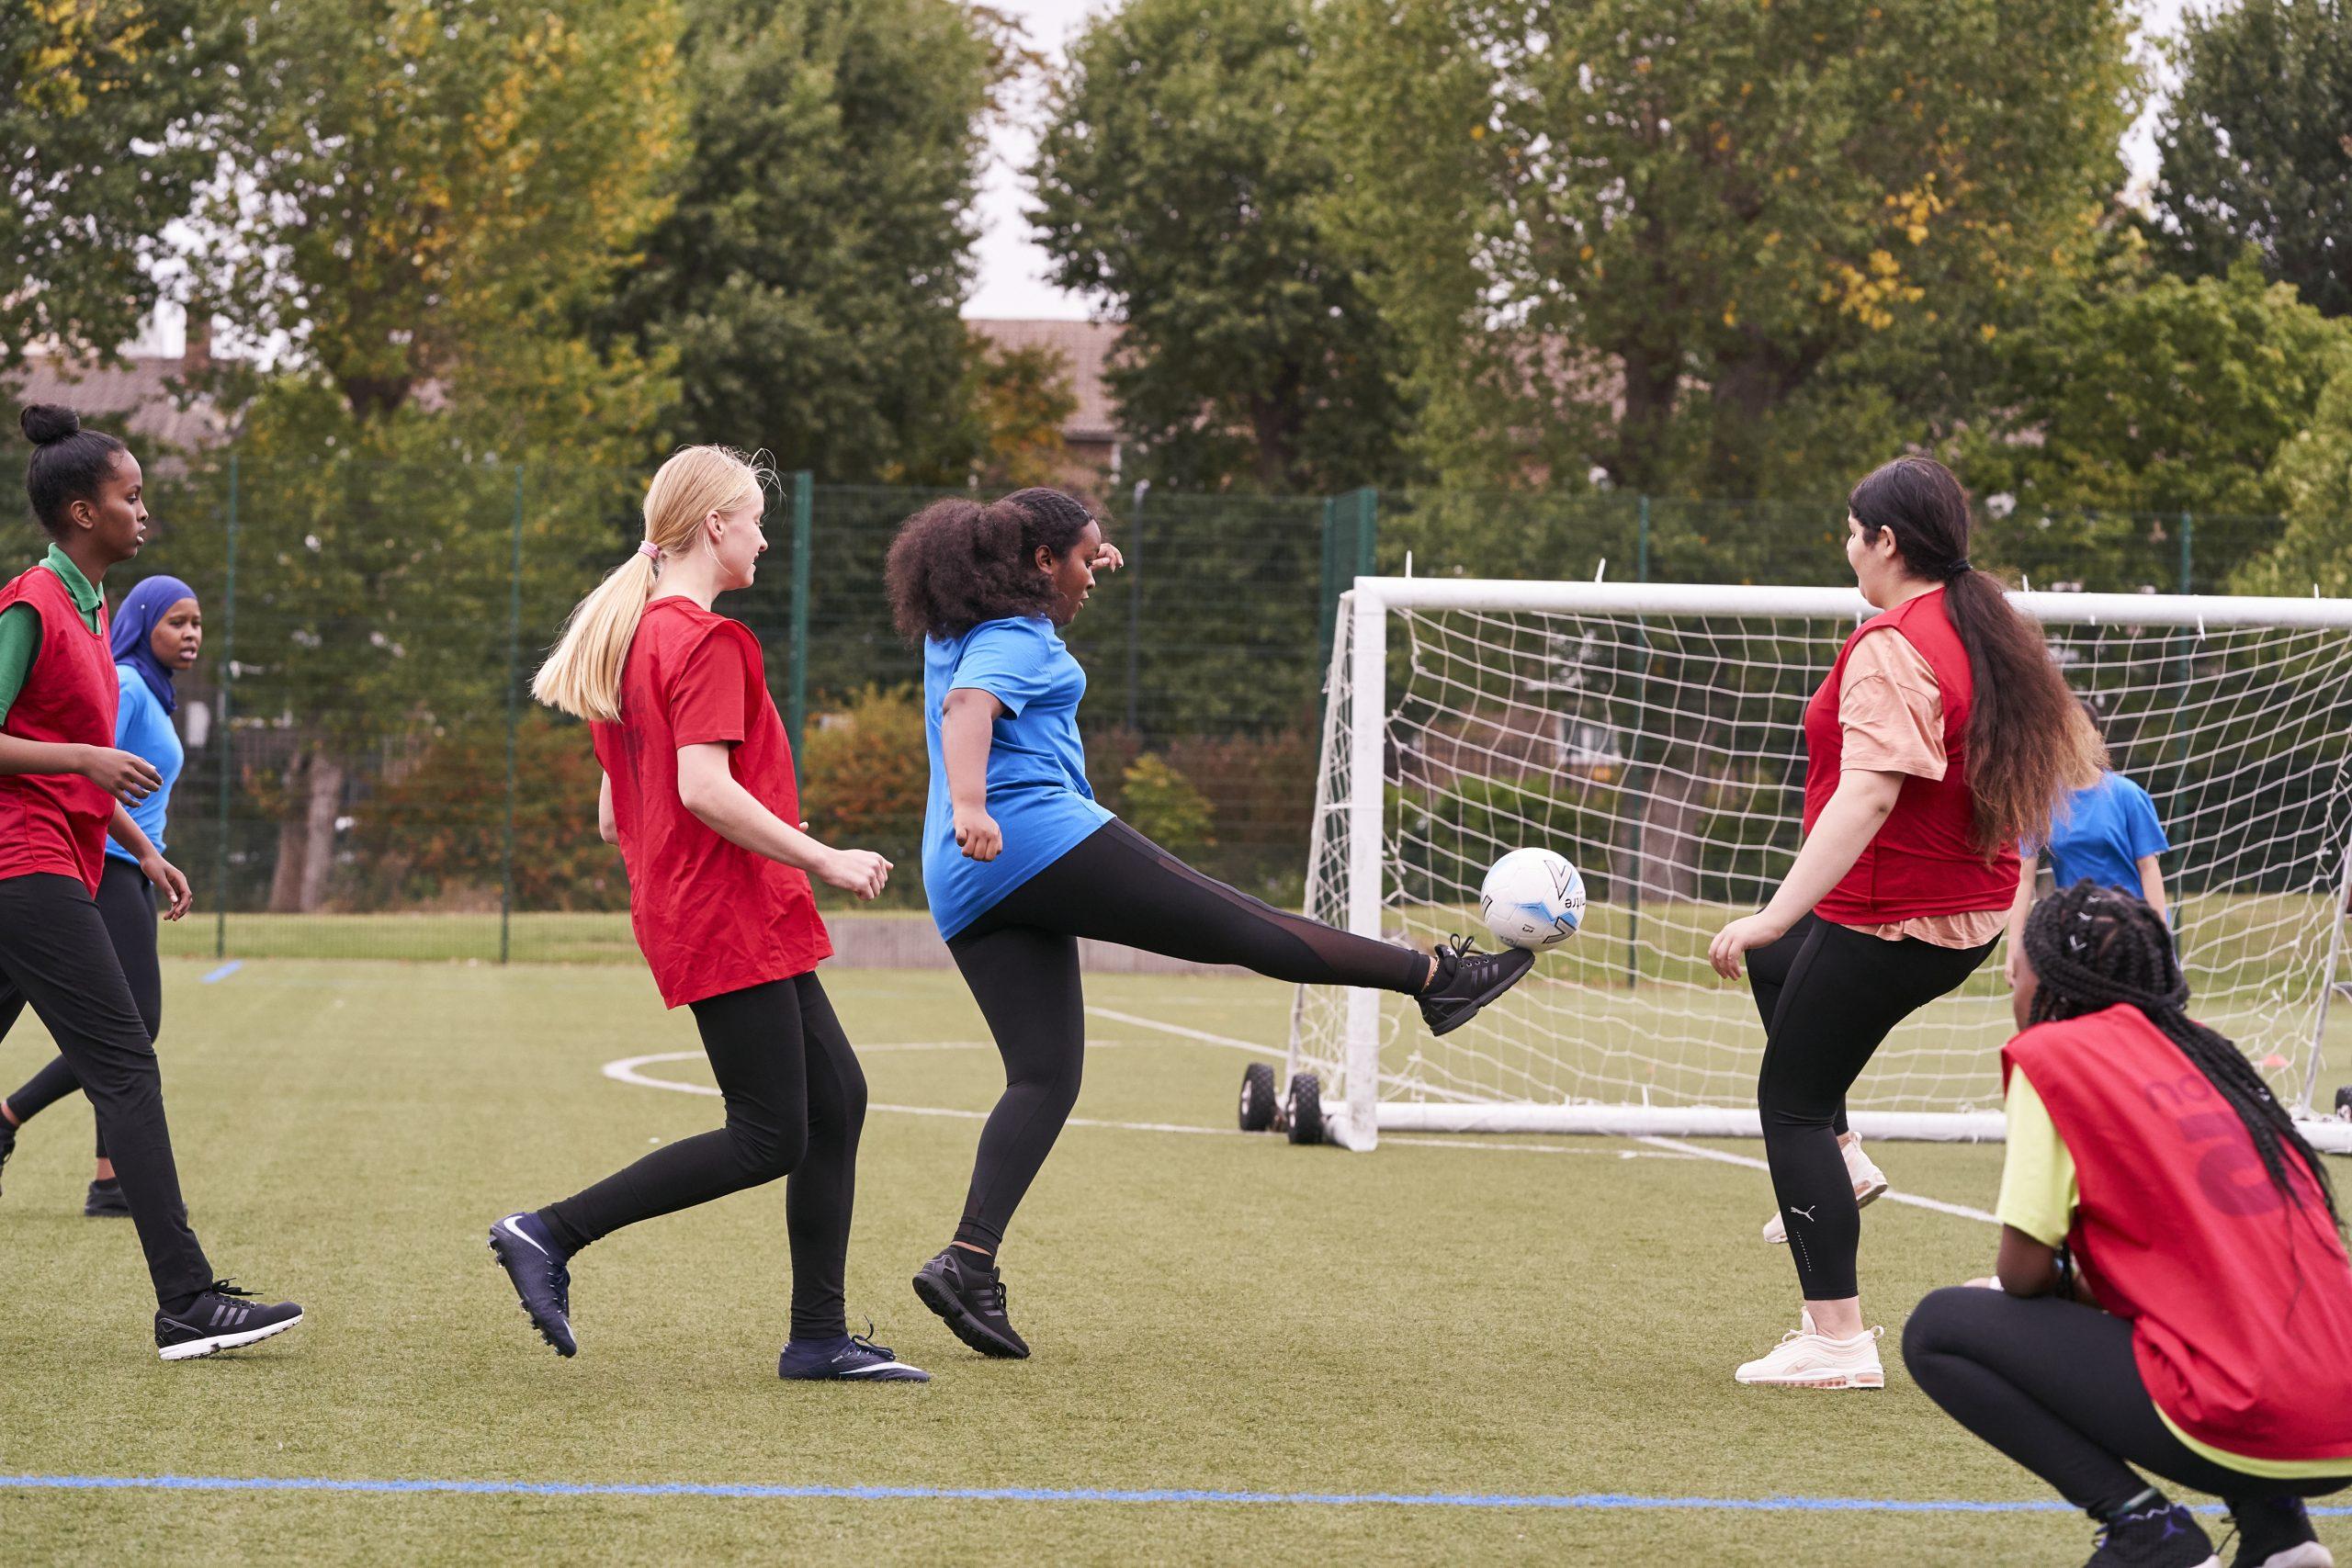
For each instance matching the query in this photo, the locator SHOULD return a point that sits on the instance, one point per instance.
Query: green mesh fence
(366, 776)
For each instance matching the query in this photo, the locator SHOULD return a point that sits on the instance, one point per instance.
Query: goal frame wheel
(1259, 1100)
(1305, 1104)
(2344, 1101)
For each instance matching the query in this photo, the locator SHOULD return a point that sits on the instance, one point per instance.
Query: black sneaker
(854, 1357)
(105, 1201)
(2162, 1535)
(537, 1267)
(1466, 982)
(2276, 1532)
(7, 1142)
(970, 1295)
(223, 1318)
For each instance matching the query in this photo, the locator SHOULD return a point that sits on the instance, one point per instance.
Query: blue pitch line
(225, 971)
(1586, 1500)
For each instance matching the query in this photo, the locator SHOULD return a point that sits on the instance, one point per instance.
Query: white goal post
(1652, 733)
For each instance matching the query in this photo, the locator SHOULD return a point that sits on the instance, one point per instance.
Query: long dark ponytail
(2092, 947)
(2029, 743)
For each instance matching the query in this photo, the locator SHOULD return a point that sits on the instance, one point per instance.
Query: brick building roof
(1084, 346)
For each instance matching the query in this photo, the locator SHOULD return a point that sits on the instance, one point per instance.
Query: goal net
(1653, 735)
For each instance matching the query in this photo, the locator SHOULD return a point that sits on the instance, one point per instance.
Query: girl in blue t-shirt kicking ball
(155, 637)
(1020, 862)
(2107, 834)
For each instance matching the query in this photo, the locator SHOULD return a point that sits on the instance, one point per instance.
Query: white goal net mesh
(1662, 752)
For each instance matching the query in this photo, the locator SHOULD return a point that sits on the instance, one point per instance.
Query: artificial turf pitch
(1494, 1319)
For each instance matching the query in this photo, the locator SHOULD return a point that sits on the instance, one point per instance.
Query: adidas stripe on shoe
(223, 1318)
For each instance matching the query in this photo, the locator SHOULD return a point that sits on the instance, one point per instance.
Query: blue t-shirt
(142, 729)
(1036, 789)
(2102, 833)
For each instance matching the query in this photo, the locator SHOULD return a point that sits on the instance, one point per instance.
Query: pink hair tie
(650, 550)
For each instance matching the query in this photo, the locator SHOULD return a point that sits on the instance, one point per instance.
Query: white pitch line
(1725, 1156)
(1179, 1030)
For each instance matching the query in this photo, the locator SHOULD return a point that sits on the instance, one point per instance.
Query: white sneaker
(1808, 1358)
(1869, 1181)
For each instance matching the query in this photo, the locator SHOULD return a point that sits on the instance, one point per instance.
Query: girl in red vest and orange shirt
(2174, 1294)
(1942, 735)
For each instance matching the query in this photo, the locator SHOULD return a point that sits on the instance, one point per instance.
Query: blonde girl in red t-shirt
(699, 794)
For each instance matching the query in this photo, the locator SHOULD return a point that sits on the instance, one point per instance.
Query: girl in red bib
(64, 789)
(699, 794)
(1943, 734)
(2173, 1290)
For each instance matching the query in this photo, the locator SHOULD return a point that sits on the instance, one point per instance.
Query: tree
(2134, 390)
(2312, 476)
(430, 197)
(809, 274)
(1179, 181)
(106, 115)
(2257, 145)
(1633, 234)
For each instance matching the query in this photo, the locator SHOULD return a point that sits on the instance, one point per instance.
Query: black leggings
(1830, 994)
(127, 905)
(796, 1103)
(56, 956)
(2053, 1384)
(1021, 960)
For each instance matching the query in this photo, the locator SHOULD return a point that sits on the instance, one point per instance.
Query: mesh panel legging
(796, 1103)
(1840, 991)
(127, 905)
(1020, 958)
(2054, 1385)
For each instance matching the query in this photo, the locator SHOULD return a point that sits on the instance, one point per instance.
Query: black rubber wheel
(1258, 1097)
(1306, 1109)
(2344, 1101)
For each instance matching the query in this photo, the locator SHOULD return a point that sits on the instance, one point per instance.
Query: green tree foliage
(105, 113)
(2258, 145)
(2312, 476)
(1666, 241)
(809, 274)
(1179, 181)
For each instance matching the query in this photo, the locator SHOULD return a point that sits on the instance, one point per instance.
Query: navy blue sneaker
(536, 1264)
(2276, 1532)
(2162, 1535)
(223, 1318)
(853, 1358)
(105, 1201)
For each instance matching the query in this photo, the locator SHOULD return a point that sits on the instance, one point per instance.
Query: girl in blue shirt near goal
(1020, 861)
(154, 637)
(2105, 834)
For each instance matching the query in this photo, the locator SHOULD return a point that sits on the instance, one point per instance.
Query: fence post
(1350, 531)
(2188, 551)
(804, 523)
(514, 687)
(1641, 541)
(1367, 501)
(1135, 609)
(220, 726)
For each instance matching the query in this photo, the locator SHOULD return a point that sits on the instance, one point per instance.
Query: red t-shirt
(56, 823)
(710, 916)
(2240, 1302)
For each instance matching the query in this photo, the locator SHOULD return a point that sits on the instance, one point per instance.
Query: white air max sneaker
(1869, 1180)
(1809, 1358)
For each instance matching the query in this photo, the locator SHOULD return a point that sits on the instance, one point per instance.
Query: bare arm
(166, 876)
(2152, 884)
(1847, 823)
(965, 734)
(709, 788)
(122, 774)
(607, 826)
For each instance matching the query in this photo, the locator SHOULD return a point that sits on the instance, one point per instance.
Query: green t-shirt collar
(86, 596)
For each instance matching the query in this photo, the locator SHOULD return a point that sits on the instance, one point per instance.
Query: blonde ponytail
(583, 676)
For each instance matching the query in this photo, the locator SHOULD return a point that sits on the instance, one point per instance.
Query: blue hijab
(134, 632)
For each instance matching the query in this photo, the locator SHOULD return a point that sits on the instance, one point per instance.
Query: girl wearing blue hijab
(156, 635)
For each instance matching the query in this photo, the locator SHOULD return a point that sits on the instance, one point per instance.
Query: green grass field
(1522, 1316)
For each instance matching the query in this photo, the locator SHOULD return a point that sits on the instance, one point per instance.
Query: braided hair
(2092, 947)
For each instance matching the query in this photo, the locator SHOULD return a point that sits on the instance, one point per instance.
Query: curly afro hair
(959, 562)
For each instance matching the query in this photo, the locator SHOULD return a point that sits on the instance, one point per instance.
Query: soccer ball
(1532, 898)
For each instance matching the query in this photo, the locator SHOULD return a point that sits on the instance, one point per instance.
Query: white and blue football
(1532, 898)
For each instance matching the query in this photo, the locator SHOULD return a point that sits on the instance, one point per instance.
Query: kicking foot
(1806, 1357)
(2276, 1532)
(853, 1358)
(2165, 1535)
(543, 1283)
(970, 1295)
(1465, 982)
(223, 1318)
(1870, 1185)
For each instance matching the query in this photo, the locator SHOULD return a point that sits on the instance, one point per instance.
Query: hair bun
(45, 425)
